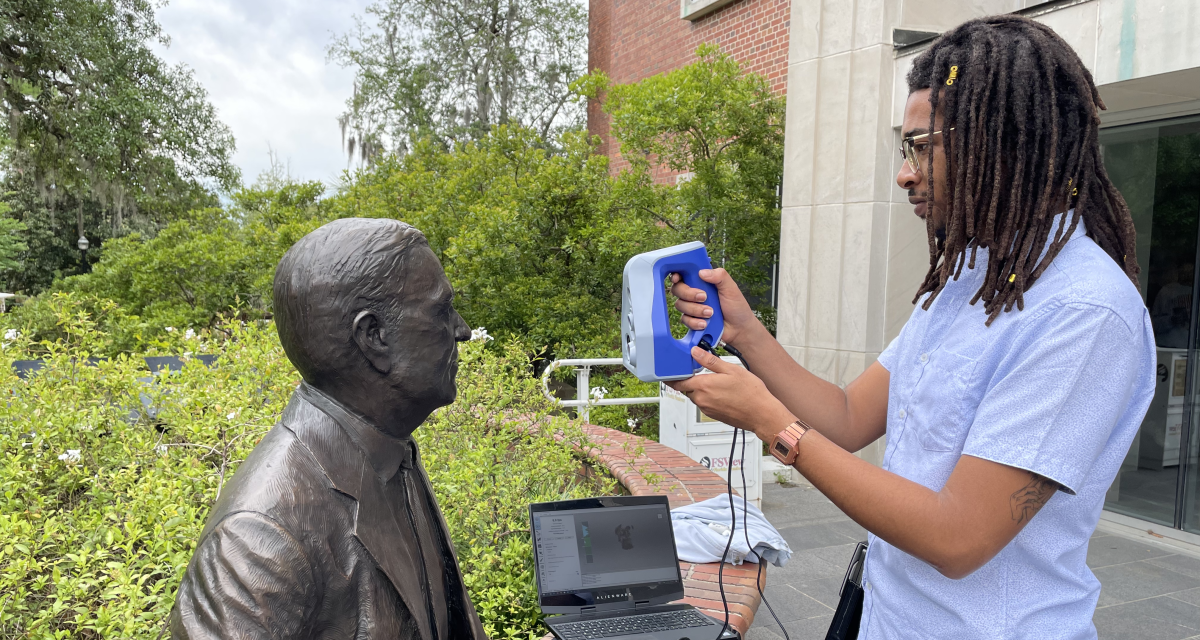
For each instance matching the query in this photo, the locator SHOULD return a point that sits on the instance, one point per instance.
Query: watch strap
(785, 445)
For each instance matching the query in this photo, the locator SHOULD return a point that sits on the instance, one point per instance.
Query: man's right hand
(740, 320)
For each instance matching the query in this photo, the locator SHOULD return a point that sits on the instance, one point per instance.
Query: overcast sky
(263, 64)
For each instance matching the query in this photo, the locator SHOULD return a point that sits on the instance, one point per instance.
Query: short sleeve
(1055, 398)
(888, 357)
(249, 578)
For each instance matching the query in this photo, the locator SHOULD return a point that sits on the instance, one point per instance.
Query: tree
(450, 69)
(208, 265)
(96, 117)
(726, 129)
(10, 239)
(533, 241)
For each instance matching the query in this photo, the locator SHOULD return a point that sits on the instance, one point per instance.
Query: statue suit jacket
(310, 539)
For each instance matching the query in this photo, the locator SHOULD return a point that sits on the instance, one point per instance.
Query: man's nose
(462, 332)
(906, 178)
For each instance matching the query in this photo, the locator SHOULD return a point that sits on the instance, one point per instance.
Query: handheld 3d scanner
(649, 350)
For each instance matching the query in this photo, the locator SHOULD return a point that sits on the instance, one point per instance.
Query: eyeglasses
(913, 146)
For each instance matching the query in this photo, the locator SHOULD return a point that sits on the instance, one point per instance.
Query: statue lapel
(387, 541)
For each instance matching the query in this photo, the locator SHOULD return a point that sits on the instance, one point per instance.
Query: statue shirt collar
(385, 453)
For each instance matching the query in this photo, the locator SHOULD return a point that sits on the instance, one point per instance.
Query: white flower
(631, 422)
(12, 334)
(161, 449)
(599, 392)
(72, 455)
(480, 334)
(189, 334)
(232, 415)
(170, 329)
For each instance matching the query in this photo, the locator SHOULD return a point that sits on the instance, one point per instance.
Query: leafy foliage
(10, 239)
(533, 236)
(98, 325)
(534, 242)
(211, 264)
(451, 69)
(725, 127)
(95, 541)
(96, 121)
(101, 503)
(489, 455)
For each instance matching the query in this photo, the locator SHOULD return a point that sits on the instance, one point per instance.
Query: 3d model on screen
(625, 535)
(329, 529)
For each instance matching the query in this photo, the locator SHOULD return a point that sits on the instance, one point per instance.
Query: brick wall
(635, 39)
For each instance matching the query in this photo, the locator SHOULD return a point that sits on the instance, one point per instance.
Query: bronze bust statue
(330, 529)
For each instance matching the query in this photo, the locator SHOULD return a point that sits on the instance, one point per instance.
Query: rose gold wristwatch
(786, 444)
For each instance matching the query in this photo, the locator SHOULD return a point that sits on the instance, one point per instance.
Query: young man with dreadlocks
(1012, 394)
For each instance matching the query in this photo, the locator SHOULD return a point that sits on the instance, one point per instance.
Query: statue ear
(371, 339)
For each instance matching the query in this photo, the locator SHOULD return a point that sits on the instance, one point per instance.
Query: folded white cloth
(702, 531)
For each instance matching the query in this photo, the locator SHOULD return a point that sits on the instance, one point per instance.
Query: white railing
(583, 394)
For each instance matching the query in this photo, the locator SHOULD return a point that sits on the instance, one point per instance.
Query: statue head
(365, 313)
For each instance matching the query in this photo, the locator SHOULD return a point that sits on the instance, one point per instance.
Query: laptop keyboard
(629, 625)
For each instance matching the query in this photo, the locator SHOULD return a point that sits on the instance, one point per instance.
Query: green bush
(489, 455)
(99, 513)
(534, 242)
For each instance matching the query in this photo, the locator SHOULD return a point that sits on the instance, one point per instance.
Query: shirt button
(901, 414)
(924, 358)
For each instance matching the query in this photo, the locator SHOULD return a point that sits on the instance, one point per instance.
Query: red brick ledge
(661, 470)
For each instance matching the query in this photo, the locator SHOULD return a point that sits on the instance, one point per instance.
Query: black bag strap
(848, 616)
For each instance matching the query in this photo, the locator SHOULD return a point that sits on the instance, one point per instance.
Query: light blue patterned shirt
(1059, 389)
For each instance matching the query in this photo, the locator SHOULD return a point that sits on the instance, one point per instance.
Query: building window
(1156, 166)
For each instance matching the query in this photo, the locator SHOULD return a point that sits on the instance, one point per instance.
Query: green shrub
(489, 455)
(94, 542)
(533, 241)
(99, 514)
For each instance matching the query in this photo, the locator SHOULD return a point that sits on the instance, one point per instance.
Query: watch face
(780, 448)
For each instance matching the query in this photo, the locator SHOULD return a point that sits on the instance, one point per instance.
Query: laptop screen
(604, 550)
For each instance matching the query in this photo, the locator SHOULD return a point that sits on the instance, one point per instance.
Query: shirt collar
(1080, 231)
(385, 453)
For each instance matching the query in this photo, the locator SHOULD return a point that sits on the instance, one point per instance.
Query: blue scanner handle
(688, 266)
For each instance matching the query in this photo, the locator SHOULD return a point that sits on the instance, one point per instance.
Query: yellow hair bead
(953, 75)
(1012, 278)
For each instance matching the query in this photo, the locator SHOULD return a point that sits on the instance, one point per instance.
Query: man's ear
(371, 339)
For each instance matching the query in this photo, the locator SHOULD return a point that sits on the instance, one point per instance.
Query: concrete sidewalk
(1147, 592)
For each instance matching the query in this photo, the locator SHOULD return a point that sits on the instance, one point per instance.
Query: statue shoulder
(281, 480)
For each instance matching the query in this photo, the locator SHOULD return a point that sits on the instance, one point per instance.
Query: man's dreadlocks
(1025, 114)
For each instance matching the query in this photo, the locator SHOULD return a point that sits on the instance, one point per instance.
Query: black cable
(735, 353)
(746, 531)
(732, 532)
(745, 509)
(704, 344)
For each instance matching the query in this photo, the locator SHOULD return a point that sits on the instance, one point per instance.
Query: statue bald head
(365, 313)
(328, 277)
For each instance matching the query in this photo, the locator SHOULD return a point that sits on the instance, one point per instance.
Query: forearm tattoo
(1029, 499)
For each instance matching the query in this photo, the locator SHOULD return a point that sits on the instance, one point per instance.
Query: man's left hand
(734, 396)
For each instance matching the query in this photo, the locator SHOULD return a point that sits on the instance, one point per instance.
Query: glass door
(1156, 166)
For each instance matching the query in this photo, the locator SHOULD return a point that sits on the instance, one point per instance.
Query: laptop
(607, 568)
